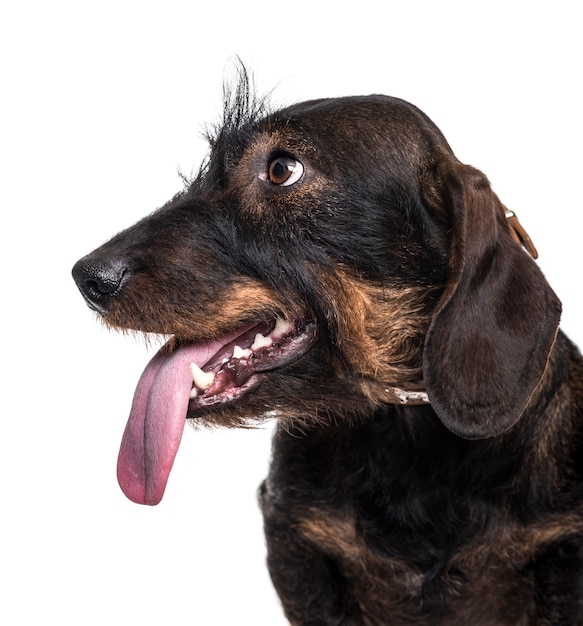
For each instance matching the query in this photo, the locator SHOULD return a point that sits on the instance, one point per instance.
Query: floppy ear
(497, 320)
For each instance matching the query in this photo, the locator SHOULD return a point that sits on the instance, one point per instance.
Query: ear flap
(494, 327)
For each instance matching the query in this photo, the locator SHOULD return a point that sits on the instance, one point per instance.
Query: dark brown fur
(467, 511)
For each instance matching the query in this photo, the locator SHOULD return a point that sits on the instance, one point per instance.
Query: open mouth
(233, 371)
(188, 380)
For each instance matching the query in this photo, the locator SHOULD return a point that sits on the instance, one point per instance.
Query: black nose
(100, 280)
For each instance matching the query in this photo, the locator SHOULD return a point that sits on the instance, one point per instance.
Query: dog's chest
(477, 586)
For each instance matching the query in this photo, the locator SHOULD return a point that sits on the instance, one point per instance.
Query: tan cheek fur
(381, 330)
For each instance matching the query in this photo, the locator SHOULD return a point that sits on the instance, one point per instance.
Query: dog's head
(324, 255)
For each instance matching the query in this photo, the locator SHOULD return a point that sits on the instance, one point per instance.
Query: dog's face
(298, 275)
(306, 227)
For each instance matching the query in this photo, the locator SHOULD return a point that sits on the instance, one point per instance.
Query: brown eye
(284, 171)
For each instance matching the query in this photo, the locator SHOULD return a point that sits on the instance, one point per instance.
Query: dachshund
(334, 267)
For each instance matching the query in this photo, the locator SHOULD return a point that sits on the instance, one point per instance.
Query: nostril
(100, 280)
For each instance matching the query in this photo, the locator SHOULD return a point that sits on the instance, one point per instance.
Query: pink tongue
(157, 418)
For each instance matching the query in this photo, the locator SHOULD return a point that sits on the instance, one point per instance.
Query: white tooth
(193, 393)
(203, 380)
(261, 342)
(239, 353)
(281, 328)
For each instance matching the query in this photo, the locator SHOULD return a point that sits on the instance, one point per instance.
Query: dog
(333, 266)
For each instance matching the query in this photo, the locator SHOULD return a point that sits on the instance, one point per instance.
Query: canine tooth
(193, 393)
(239, 353)
(203, 380)
(261, 342)
(281, 328)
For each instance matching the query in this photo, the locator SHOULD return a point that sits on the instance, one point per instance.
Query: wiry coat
(395, 269)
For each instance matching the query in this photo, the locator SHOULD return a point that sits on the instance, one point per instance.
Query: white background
(100, 104)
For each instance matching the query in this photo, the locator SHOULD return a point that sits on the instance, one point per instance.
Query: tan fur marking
(392, 581)
(385, 580)
(334, 535)
(245, 300)
(381, 331)
(515, 544)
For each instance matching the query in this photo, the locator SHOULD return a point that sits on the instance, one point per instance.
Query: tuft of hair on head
(242, 109)
(241, 104)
